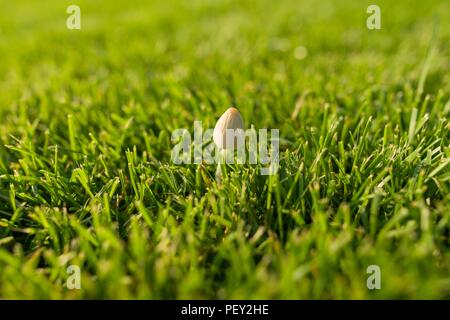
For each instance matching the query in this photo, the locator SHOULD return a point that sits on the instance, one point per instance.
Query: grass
(85, 171)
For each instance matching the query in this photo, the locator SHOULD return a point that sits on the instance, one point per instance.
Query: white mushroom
(231, 119)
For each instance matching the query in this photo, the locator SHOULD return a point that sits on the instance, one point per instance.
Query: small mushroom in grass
(230, 120)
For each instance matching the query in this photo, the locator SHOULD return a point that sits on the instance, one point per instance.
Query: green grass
(85, 170)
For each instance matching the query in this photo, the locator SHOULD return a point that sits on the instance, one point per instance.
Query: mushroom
(230, 120)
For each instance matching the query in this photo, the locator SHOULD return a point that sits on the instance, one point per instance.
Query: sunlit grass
(85, 170)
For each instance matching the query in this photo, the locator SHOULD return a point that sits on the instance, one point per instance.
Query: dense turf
(85, 171)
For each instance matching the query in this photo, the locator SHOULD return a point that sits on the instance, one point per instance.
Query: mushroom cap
(231, 119)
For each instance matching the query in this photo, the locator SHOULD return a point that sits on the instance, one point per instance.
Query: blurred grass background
(85, 172)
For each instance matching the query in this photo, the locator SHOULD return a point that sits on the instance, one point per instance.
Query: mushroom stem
(221, 166)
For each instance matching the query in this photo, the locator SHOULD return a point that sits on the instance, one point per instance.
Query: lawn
(87, 181)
